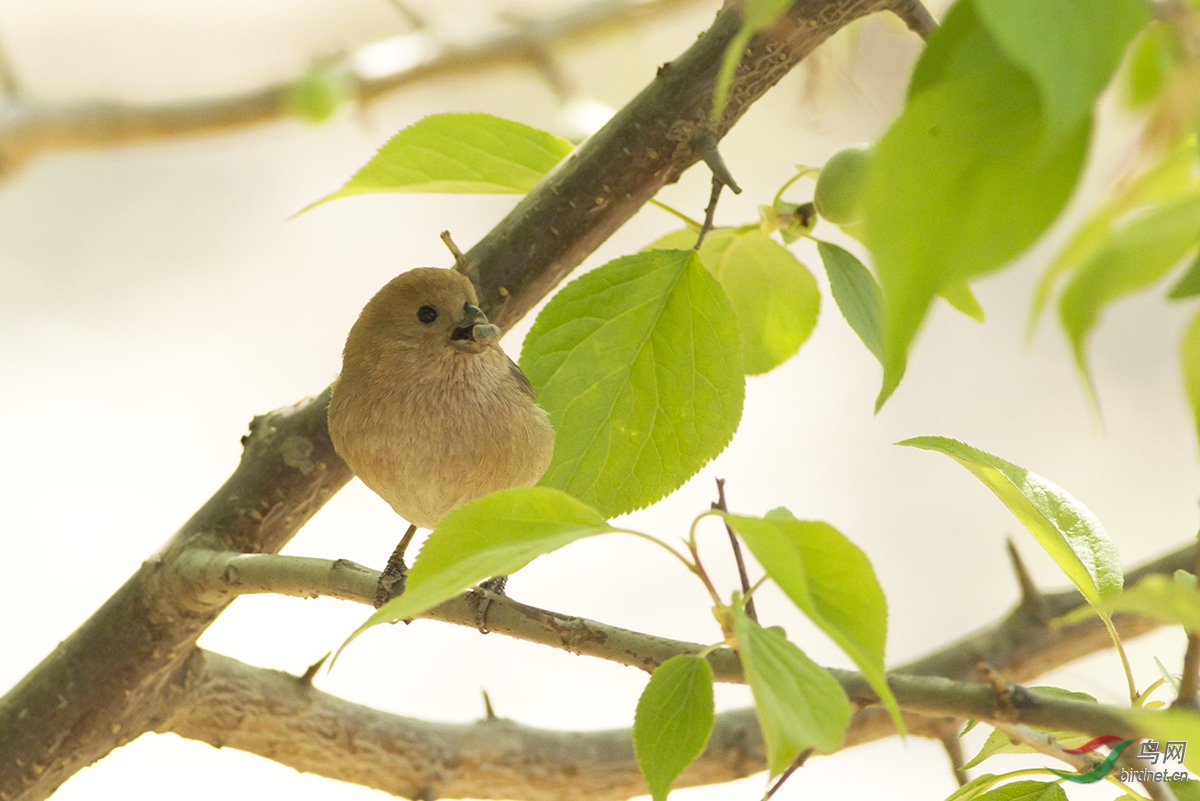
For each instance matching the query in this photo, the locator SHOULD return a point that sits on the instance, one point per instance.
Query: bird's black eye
(427, 314)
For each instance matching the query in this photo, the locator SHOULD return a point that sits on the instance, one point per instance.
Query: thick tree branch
(282, 717)
(29, 128)
(654, 138)
(230, 704)
(122, 670)
(602, 762)
(1021, 647)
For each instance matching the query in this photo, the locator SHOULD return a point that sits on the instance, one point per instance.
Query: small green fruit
(838, 194)
(319, 93)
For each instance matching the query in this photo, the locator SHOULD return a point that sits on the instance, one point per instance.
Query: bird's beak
(473, 332)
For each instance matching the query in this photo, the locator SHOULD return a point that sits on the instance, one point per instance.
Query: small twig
(414, 20)
(460, 261)
(1004, 690)
(952, 744)
(562, 86)
(307, 678)
(8, 78)
(1190, 681)
(1032, 600)
(916, 17)
(709, 212)
(798, 763)
(737, 553)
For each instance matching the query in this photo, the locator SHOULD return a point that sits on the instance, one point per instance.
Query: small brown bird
(428, 411)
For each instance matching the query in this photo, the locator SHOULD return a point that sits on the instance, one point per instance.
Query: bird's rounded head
(427, 308)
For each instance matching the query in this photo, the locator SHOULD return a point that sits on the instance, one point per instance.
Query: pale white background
(152, 299)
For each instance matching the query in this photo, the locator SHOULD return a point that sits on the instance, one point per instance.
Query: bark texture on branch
(284, 718)
(119, 674)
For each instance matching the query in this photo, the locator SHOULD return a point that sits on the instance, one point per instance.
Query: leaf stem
(694, 549)
(1112, 632)
(692, 224)
(801, 172)
(691, 567)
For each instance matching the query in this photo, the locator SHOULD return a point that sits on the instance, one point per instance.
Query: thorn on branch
(916, 17)
(707, 145)
(952, 744)
(306, 679)
(552, 74)
(737, 552)
(1033, 602)
(489, 713)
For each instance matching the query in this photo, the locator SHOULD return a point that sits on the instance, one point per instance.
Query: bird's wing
(522, 381)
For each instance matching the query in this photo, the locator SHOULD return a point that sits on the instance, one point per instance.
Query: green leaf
(998, 743)
(1153, 57)
(1167, 180)
(831, 580)
(1188, 790)
(1169, 724)
(974, 788)
(493, 536)
(756, 15)
(1063, 526)
(638, 363)
(1026, 790)
(774, 296)
(959, 295)
(1059, 692)
(973, 120)
(856, 293)
(673, 721)
(798, 703)
(1130, 259)
(1069, 48)
(459, 154)
(1189, 356)
(1189, 284)
(1161, 598)
(1170, 678)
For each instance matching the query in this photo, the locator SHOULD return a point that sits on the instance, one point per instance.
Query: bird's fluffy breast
(429, 432)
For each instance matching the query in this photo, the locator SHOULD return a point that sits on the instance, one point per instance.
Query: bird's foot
(395, 573)
(494, 585)
(392, 579)
(391, 582)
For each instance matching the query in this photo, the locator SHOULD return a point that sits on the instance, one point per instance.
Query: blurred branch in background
(29, 128)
